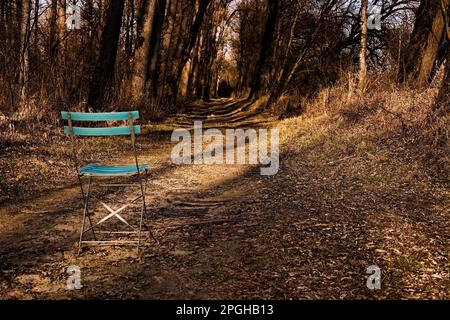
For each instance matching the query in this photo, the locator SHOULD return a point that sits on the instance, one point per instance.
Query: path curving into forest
(223, 113)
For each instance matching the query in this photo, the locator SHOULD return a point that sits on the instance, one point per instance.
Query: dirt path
(39, 236)
(227, 232)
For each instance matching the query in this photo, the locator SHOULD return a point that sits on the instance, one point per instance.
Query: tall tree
(207, 50)
(53, 38)
(167, 44)
(35, 24)
(156, 39)
(443, 100)
(363, 49)
(61, 23)
(129, 26)
(24, 51)
(143, 51)
(183, 51)
(281, 74)
(266, 48)
(418, 60)
(187, 46)
(442, 104)
(104, 68)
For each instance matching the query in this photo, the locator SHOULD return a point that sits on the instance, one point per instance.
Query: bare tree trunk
(429, 55)
(208, 52)
(53, 39)
(281, 75)
(197, 67)
(153, 70)
(166, 61)
(218, 55)
(220, 16)
(61, 24)
(419, 58)
(187, 47)
(193, 70)
(288, 73)
(18, 25)
(129, 27)
(442, 105)
(184, 82)
(266, 48)
(363, 50)
(142, 52)
(36, 25)
(57, 48)
(443, 100)
(104, 68)
(3, 25)
(24, 52)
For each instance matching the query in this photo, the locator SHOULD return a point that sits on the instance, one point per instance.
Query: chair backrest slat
(125, 130)
(108, 131)
(100, 116)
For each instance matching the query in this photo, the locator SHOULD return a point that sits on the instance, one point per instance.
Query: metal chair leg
(143, 209)
(85, 229)
(140, 228)
(91, 226)
(146, 215)
(84, 214)
(84, 198)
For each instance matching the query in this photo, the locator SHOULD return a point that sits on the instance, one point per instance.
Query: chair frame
(87, 195)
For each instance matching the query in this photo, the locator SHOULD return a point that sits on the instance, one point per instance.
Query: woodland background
(157, 54)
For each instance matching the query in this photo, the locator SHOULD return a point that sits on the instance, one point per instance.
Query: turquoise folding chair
(94, 170)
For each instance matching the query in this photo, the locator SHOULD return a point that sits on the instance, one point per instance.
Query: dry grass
(387, 119)
(385, 157)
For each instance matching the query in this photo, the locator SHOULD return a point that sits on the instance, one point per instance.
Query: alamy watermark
(74, 278)
(374, 278)
(374, 16)
(73, 15)
(229, 148)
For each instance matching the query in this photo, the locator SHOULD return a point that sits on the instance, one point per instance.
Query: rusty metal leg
(86, 201)
(84, 198)
(92, 227)
(146, 214)
(143, 209)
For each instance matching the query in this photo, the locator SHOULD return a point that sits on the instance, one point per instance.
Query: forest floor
(339, 203)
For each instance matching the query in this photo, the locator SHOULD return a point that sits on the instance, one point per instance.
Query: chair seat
(94, 169)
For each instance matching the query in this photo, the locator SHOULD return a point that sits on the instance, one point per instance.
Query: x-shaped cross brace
(113, 213)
